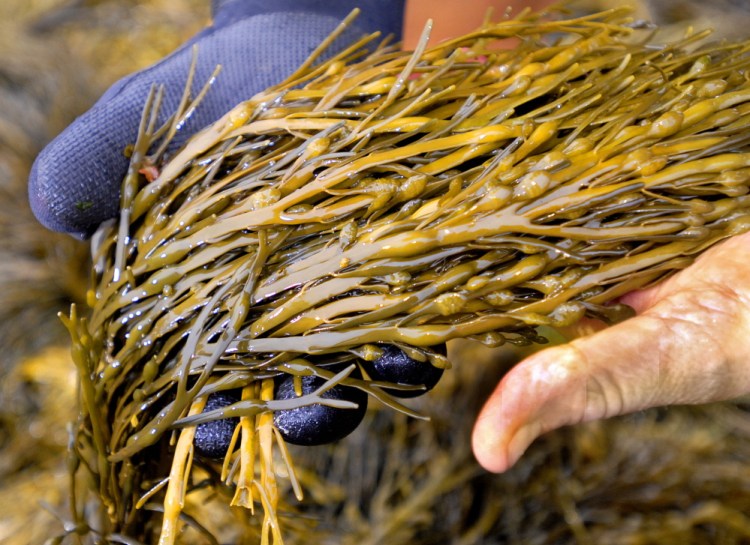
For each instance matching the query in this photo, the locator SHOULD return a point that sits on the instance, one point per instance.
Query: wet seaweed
(406, 198)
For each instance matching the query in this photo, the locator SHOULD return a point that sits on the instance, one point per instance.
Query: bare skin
(453, 18)
(688, 344)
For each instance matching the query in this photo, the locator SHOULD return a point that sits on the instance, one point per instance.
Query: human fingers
(688, 345)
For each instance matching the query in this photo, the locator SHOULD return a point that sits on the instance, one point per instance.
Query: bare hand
(688, 344)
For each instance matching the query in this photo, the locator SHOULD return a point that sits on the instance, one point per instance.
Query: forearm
(453, 18)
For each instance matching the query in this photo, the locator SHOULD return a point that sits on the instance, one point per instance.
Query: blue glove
(75, 181)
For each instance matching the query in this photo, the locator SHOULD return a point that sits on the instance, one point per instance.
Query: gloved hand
(75, 181)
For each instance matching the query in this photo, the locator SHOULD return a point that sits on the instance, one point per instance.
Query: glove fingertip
(73, 187)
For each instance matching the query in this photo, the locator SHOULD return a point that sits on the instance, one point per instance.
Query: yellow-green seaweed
(460, 191)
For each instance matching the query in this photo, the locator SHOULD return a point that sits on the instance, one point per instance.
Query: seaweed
(385, 197)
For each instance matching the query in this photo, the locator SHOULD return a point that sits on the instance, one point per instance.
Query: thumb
(689, 346)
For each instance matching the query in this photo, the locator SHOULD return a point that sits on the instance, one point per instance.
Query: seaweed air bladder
(377, 205)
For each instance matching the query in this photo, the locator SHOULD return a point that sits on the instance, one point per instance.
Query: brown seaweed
(461, 191)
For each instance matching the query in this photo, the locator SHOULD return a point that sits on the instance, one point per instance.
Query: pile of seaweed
(385, 199)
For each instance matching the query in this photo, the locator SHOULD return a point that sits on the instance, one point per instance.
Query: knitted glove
(75, 181)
